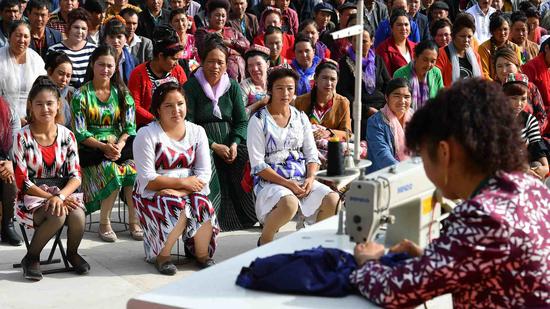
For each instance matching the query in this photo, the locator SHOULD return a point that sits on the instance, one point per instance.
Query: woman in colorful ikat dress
(104, 126)
(494, 251)
(47, 175)
(173, 164)
(284, 159)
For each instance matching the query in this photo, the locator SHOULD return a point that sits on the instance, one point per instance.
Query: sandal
(166, 267)
(206, 263)
(108, 236)
(137, 234)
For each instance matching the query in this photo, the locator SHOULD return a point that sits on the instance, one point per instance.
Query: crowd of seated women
(172, 111)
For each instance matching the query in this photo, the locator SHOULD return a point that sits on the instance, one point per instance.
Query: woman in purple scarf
(215, 102)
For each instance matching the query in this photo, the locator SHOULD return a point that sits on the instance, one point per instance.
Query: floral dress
(493, 254)
(102, 121)
(156, 155)
(287, 151)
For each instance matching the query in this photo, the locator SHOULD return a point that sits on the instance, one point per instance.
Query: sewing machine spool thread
(335, 158)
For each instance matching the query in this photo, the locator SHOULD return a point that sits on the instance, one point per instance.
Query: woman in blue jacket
(386, 128)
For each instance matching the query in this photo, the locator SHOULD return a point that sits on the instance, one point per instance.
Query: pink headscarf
(398, 131)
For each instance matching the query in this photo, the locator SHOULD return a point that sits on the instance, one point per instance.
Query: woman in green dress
(215, 103)
(104, 126)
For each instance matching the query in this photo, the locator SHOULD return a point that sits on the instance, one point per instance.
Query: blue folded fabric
(394, 259)
(318, 271)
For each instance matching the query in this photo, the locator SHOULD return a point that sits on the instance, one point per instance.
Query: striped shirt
(79, 59)
(530, 133)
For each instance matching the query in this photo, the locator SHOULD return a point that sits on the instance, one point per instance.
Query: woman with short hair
(471, 148)
(19, 67)
(234, 41)
(76, 46)
(499, 27)
(458, 60)
(284, 159)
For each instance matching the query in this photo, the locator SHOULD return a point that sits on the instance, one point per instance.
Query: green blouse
(200, 111)
(101, 120)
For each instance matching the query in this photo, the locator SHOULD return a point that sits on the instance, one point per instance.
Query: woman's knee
(54, 220)
(331, 200)
(290, 203)
(76, 216)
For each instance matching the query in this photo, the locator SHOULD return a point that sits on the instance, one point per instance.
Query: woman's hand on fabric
(221, 150)
(120, 145)
(71, 203)
(295, 187)
(409, 247)
(364, 252)
(307, 186)
(177, 193)
(55, 206)
(192, 184)
(6, 171)
(111, 152)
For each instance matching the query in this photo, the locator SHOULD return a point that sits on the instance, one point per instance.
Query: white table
(215, 287)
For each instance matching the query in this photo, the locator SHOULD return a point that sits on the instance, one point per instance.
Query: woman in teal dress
(104, 126)
(215, 103)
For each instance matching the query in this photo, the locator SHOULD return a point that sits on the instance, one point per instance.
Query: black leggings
(8, 193)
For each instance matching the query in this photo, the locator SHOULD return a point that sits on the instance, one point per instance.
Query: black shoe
(10, 236)
(31, 268)
(166, 268)
(80, 265)
(209, 262)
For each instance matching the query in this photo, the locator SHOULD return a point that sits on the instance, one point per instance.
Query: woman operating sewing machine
(494, 252)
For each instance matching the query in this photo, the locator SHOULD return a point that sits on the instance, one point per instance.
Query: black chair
(56, 245)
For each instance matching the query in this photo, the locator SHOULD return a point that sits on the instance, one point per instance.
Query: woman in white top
(19, 67)
(284, 159)
(173, 171)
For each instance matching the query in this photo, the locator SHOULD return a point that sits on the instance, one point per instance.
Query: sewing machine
(399, 198)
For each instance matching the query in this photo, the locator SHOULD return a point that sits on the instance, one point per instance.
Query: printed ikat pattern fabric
(495, 253)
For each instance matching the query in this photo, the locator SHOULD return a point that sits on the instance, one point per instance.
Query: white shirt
(482, 33)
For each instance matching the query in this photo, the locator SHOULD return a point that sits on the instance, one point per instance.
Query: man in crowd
(42, 37)
(482, 12)
(10, 11)
(241, 21)
(58, 21)
(374, 13)
(141, 47)
(420, 19)
(97, 9)
(152, 16)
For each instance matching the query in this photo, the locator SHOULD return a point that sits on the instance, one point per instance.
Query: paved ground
(118, 272)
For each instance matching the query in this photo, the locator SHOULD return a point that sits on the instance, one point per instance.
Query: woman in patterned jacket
(47, 175)
(494, 251)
